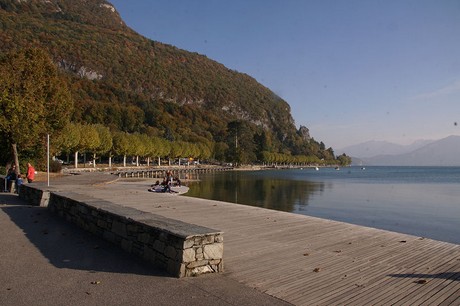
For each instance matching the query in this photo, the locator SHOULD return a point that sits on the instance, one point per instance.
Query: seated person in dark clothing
(11, 176)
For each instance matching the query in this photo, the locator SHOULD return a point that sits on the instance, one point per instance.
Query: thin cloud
(453, 88)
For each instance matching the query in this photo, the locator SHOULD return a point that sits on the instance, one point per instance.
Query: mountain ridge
(442, 152)
(373, 148)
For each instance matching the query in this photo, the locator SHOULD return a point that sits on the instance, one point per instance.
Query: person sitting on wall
(11, 176)
(19, 182)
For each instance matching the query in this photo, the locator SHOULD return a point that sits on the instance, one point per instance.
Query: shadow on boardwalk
(454, 276)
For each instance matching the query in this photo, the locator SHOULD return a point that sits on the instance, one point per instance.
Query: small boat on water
(316, 168)
(170, 189)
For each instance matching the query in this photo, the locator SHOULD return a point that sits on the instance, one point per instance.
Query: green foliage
(105, 139)
(89, 138)
(344, 160)
(34, 99)
(68, 140)
(121, 144)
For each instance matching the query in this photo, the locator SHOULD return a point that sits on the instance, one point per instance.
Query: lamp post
(48, 157)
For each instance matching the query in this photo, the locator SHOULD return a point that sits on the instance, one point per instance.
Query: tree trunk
(94, 160)
(15, 157)
(124, 160)
(110, 162)
(76, 160)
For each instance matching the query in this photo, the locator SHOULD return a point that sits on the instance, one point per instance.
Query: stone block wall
(35, 196)
(4, 185)
(180, 248)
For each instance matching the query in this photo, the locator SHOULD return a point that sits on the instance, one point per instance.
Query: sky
(352, 71)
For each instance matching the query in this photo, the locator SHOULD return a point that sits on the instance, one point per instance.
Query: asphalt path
(45, 260)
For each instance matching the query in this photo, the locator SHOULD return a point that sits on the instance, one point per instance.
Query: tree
(137, 147)
(205, 150)
(344, 160)
(263, 143)
(68, 139)
(177, 150)
(121, 145)
(34, 100)
(105, 141)
(89, 140)
(149, 147)
(163, 148)
(240, 142)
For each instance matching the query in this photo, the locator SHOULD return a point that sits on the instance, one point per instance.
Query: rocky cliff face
(304, 132)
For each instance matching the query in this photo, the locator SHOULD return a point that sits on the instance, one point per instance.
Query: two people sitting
(166, 185)
(13, 177)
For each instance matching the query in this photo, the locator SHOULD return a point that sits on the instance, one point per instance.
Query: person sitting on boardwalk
(156, 187)
(178, 182)
(165, 186)
(157, 183)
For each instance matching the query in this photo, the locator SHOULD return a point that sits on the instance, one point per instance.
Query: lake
(422, 201)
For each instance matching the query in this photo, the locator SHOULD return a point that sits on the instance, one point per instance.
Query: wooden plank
(382, 285)
(435, 284)
(266, 249)
(454, 299)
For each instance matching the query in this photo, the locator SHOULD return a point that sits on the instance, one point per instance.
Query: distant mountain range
(443, 152)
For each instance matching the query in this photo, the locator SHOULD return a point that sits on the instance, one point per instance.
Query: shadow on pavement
(65, 245)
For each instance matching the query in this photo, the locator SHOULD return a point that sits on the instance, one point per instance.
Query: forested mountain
(129, 83)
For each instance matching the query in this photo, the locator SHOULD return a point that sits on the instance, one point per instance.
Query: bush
(55, 166)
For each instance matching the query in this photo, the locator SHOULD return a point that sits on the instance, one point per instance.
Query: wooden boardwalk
(310, 261)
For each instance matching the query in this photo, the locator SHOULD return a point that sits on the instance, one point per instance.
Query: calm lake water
(422, 201)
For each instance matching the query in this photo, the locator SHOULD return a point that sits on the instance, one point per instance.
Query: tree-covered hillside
(131, 84)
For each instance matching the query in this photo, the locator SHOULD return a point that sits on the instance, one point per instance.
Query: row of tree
(99, 141)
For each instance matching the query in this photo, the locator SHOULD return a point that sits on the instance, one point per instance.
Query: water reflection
(244, 188)
(411, 200)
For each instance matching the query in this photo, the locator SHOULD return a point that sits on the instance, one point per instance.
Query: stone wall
(4, 186)
(180, 248)
(35, 196)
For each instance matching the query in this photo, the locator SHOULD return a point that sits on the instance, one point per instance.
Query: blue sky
(352, 71)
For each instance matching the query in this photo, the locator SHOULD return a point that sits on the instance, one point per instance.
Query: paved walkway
(308, 261)
(45, 260)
